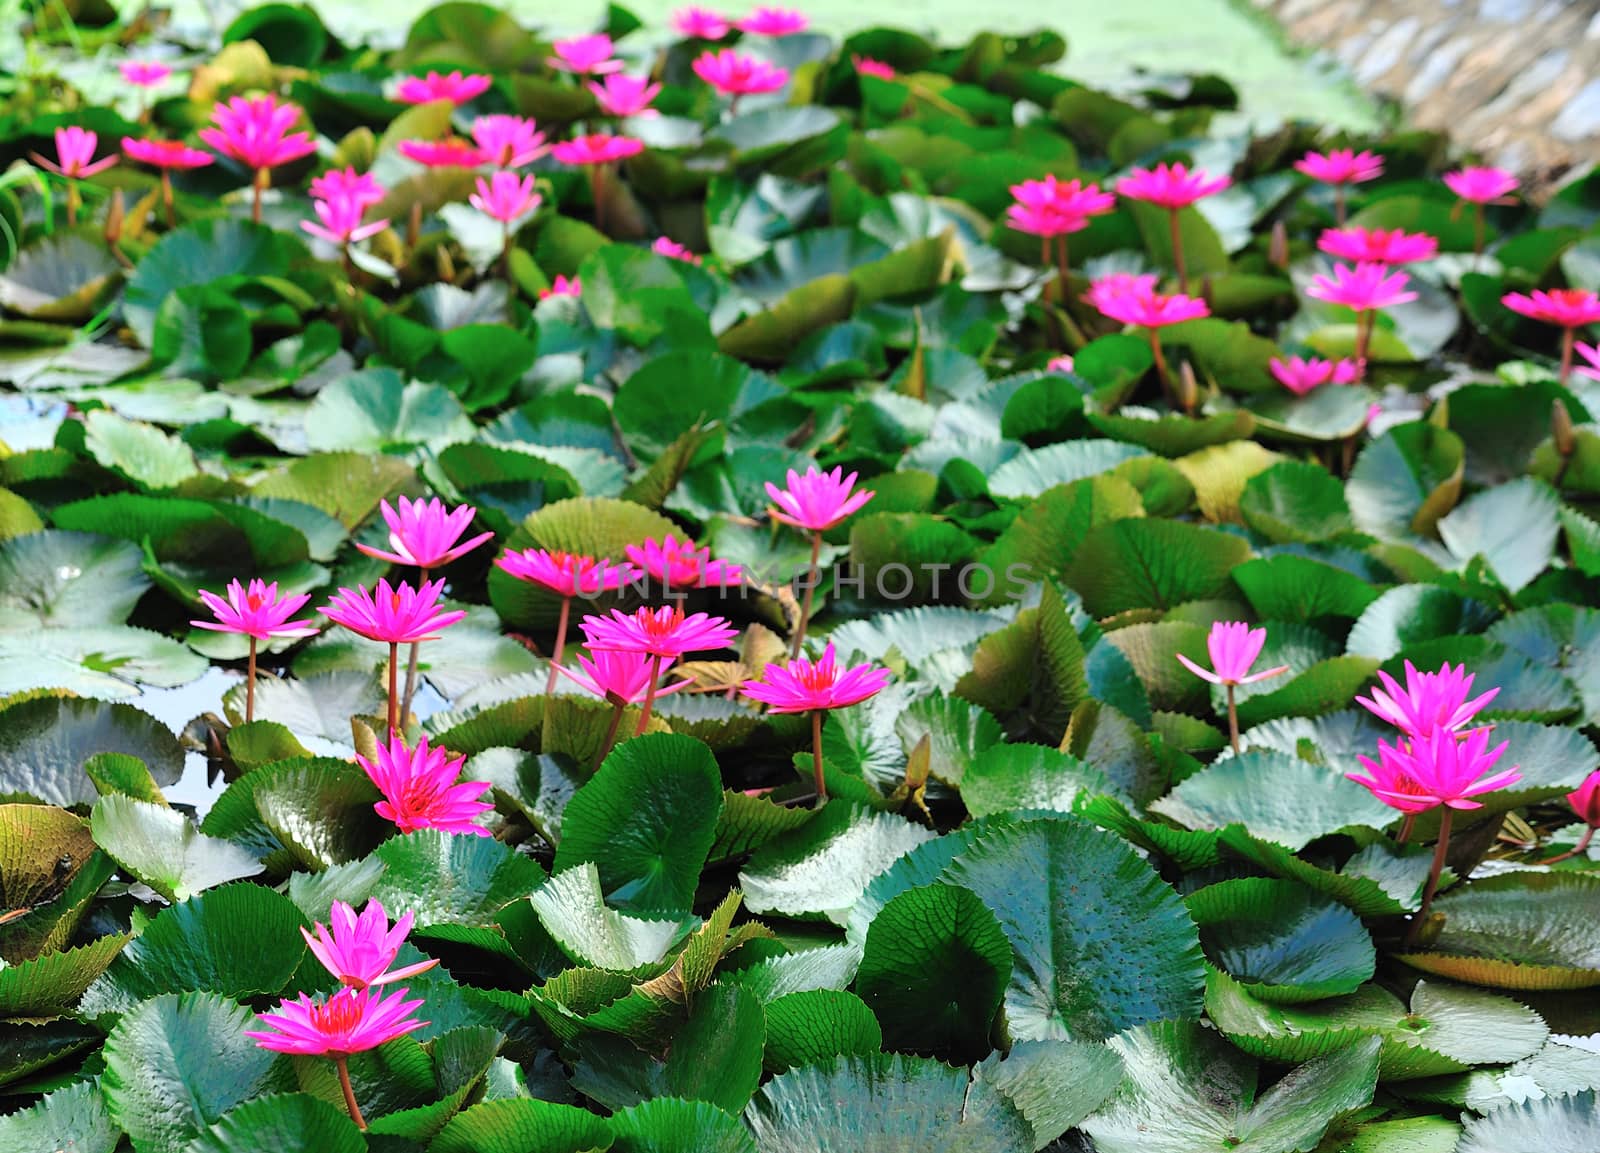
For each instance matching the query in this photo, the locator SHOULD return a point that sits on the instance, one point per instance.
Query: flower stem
(816, 755)
(262, 176)
(561, 644)
(1477, 234)
(349, 1094)
(1177, 251)
(411, 665)
(649, 695)
(74, 198)
(1161, 364)
(1063, 267)
(166, 198)
(611, 735)
(1233, 721)
(1044, 262)
(1567, 335)
(394, 686)
(1364, 325)
(1406, 827)
(595, 179)
(1434, 873)
(250, 685)
(811, 589)
(1576, 851)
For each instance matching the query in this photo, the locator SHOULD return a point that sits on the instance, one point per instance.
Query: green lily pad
(44, 743)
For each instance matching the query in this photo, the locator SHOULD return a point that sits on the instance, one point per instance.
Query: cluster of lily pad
(1155, 708)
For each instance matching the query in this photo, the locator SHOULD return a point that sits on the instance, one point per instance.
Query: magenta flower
(255, 132)
(75, 154)
(359, 949)
(597, 149)
(566, 574)
(143, 73)
(1585, 799)
(394, 615)
(508, 141)
(1378, 245)
(257, 611)
(663, 632)
(424, 534)
(455, 87)
(1171, 186)
(699, 24)
(620, 95)
(420, 791)
(774, 22)
(1445, 768)
(167, 155)
(351, 1021)
(1233, 647)
(802, 685)
(1591, 353)
(677, 564)
(818, 500)
(623, 678)
(339, 221)
(1063, 197)
(1482, 185)
(451, 152)
(1134, 300)
(672, 250)
(867, 66)
(563, 286)
(1569, 308)
(734, 74)
(505, 196)
(1062, 363)
(585, 55)
(347, 184)
(1429, 703)
(1302, 376)
(1341, 166)
(1364, 288)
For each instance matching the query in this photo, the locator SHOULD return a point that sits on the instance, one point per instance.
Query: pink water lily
(258, 612)
(816, 501)
(563, 286)
(1445, 768)
(350, 1021)
(620, 677)
(167, 155)
(1585, 802)
(735, 74)
(867, 66)
(1568, 308)
(1482, 185)
(144, 73)
(1062, 363)
(359, 948)
(339, 221)
(678, 564)
(1366, 289)
(1233, 647)
(75, 154)
(347, 184)
(1428, 702)
(1302, 376)
(1590, 353)
(508, 141)
(672, 250)
(699, 24)
(1382, 246)
(1171, 185)
(505, 196)
(420, 789)
(451, 152)
(456, 87)
(1053, 209)
(568, 575)
(620, 95)
(392, 614)
(597, 149)
(1340, 168)
(425, 533)
(815, 687)
(1134, 300)
(662, 634)
(590, 55)
(774, 22)
(255, 132)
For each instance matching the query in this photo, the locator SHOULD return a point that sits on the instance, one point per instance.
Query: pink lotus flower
(257, 611)
(774, 22)
(451, 152)
(597, 149)
(563, 286)
(143, 73)
(339, 221)
(1482, 185)
(699, 24)
(422, 533)
(818, 500)
(75, 154)
(420, 791)
(1585, 800)
(566, 574)
(620, 95)
(1364, 287)
(1233, 647)
(347, 184)
(677, 564)
(455, 87)
(505, 196)
(394, 615)
(867, 66)
(1381, 246)
(1134, 300)
(1341, 166)
(1429, 703)
(359, 949)
(1446, 768)
(672, 250)
(802, 685)
(1302, 376)
(623, 678)
(1565, 307)
(255, 132)
(664, 632)
(1591, 353)
(508, 141)
(736, 75)
(351, 1021)
(1170, 186)
(167, 155)
(585, 55)
(1050, 207)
